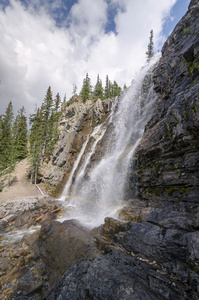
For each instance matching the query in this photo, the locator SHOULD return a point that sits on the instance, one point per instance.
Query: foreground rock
(22, 272)
(153, 256)
(60, 245)
(153, 259)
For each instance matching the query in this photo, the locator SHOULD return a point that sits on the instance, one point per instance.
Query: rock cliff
(76, 125)
(168, 155)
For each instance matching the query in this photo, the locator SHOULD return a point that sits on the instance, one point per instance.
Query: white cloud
(35, 53)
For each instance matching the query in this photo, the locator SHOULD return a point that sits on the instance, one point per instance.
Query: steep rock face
(76, 125)
(168, 155)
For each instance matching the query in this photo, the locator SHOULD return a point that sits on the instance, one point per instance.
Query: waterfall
(101, 193)
(80, 174)
(69, 182)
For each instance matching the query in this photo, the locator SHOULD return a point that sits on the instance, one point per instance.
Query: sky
(55, 43)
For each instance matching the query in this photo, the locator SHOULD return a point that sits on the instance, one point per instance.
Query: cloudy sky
(56, 42)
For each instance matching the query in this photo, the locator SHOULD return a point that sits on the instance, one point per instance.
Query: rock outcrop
(153, 258)
(168, 155)
(76, 125)
(62, 244)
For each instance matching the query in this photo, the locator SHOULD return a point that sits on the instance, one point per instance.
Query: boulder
(61, 244)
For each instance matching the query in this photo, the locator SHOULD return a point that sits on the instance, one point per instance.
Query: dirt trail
(22, 189)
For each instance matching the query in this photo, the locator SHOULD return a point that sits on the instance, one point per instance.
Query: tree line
(110, 90)
(13, 137)
(16, 143)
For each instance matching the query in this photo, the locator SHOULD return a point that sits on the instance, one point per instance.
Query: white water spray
(81, 173)
(101, 193)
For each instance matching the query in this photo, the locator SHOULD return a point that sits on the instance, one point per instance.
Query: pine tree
(44, 131)
(6, 138)
(150, 52)
(86, 89)
(36, 143)
(53, 132)
(98, 90)
(107, 90)
(47, 120)
(116, 90)
(20, 132)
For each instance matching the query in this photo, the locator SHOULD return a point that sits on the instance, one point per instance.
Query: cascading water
(101, 193)
(80, 174)
(75, 166)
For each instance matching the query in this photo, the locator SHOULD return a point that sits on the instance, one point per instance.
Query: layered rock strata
(168, 155)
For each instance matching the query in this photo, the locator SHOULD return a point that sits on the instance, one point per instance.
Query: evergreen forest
(36, 138)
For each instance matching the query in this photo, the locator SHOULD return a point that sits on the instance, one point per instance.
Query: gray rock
(167, 157)
(61, 244)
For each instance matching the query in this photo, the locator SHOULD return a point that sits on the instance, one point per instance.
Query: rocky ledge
(150, 253)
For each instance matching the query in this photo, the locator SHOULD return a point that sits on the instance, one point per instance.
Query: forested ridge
(17, 142)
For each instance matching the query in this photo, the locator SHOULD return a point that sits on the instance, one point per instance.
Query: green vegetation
(13, 138)
(6, 144)
(86, 90)
(180, 190)
(71, 101)
(156, 191)
(186, 30)
(44, 132)
(13, 141)
(192, 65)
(20, 132)
(150, 52)
(98, 90)
(194, 83)
(44, 122)
(111, 90)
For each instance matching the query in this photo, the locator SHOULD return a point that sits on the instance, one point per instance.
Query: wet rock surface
(22, 271)
(61, 244)
(153, 256)
(149, 259)
(168, 155)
